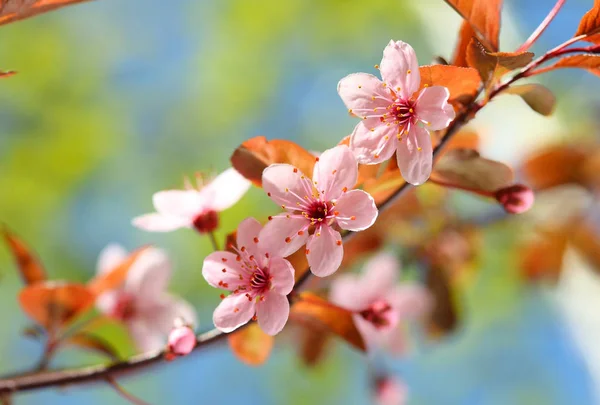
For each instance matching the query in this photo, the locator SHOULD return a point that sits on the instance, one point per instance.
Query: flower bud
(390, 391)
(182, 340)
(515, 199)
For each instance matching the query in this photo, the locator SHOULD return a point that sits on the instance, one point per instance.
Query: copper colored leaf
(541, 259)
(312, 308)
(14, 10)
(7, 73)
(492, 65)
(443, 318)
(93, 343)
(465, 169)
(254, 155)
(30, 268)
(460, 81)
(251, 345)
(585, 239)
(313, 344)
(464, 139)
(591, 63)
(115, 277)
(554, 166)
(590, 23)
(54, 304)
(465, 35)
(300, 263)
(484, 17)
(538, 97)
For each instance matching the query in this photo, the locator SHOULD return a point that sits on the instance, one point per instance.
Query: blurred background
(115, 100)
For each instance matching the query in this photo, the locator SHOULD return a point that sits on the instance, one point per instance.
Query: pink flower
(390, 391)
(392, 110)
(141, 302)
(515, 199)
(379, 303)
(182, 340)
(193, 208)
(259, 279)
(316, 209)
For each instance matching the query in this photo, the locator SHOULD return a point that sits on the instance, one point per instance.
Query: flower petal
(148, 276)
(432, 107)
(213, 266)
(145, 336)
(415, 156)
(284, 234)
(168, 309)
(411, 301)
(400, 68)
(335, 171)
(225, 190)
(179, 203)
(110, 257)
(233, 311)
(357, 210)
(325, 251)
(156, 222)
(286, 185)
(107, 302)
(364, 95)
(347, 292)
(273, 313)
(369, 143)
(282, 273)
(247, 235)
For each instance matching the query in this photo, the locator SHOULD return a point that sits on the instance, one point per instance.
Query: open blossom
(390, 391)
(396, 117)
(193, 208)
(141, 302)
(378, 303)
(259, 280)
(316, 209)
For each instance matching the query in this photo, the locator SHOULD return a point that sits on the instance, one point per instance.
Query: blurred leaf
(585, 239)
(538, 97)
(93, 343)
(312, 308)
(7, 73)
(115, 277)
(590, 23)
(493, 65)
(443, 318)
(460, 81)
(255, 154)
(484, 17)
(541, 259)
(54, 304)
(251, 345)
(15, 10)
(30, 268)
(33, 332)
(313, 342)
(464, 139)
(465, 169)
(554, 166)
(465, 35)
(299, 262)
(591, 63)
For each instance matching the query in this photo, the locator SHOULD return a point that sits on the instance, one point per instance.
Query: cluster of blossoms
(317, 208)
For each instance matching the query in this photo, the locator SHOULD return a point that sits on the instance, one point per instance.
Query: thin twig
(121, 391)
(213, 240)
(542, 27)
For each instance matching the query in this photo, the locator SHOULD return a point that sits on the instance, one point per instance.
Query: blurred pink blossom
(390, 391)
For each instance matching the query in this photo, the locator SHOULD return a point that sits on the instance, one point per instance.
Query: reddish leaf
(585, 239)
(312, 308)
(555, 166)
(443, 318)
(541, 259)
(460, 81)
(591, 63)
(313, 344)
(254, 155)
(115, 277)
(538, 97)
(484, 17)
(7, 73)
(493, 65)
(590, 23)
(14, 10)
(30, 268)
(299, 262)
(465, 169)
(93, 343)
(54, 304)
(464, 139)
(251, 345)
(465, 35)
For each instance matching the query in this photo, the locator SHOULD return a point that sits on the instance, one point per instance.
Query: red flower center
(402, 113)
(206, 222)
(380, 314)
(318, 211)
(124, 308)
(260, 281)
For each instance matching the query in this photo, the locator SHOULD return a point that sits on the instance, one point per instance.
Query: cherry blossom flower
(182, 340)
(194, 208)
(141, 302)
(390, 391)
(259, 280)
(391, 111)
(315, 210)
(379, 304)
(515, 199)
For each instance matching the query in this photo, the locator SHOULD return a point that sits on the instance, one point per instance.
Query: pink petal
(432, 107)
(391, 391)
(107, 302)
(380, 276)
(274, 235)
(286, 185)
(412, 301)
(357, 210)
(149, 275)
(110, 257)
(167, 311)
(387, 338)
(398, 60)
(335, 171)
(415, 165)
(145, 336)
(213, 266)
(225, 190)
(233, 311)
(273, 313)
(347, 292)
(160, 223)
(282, 273)
(247, 235)
(179, 203)
(364, 95)
(371, 147)
(325, 251)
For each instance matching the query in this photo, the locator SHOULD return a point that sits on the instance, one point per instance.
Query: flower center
(318, 211)
(260, 281)
(380, 314)
(402, 113)
(206, 222)
(124, 308)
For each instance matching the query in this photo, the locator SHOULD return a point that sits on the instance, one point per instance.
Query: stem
(213, 240)
(121, 391)
(542, 27)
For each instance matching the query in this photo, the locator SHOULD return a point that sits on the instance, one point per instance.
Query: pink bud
(182, 340)
(515, 199)
(390, 391)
